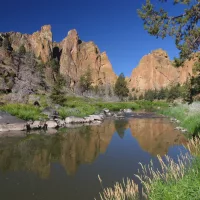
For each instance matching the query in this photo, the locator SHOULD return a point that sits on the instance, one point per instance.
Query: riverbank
(77, 107)
(176, 180)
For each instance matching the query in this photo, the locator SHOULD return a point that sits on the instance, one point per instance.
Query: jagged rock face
(155, 71)
(107, 70)
(77, 57)
(39, 42)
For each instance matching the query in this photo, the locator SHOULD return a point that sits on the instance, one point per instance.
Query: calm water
(65, 166)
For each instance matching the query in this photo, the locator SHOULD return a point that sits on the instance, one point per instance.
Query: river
(64, 164)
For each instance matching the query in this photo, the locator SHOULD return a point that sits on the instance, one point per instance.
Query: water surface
(65, 165)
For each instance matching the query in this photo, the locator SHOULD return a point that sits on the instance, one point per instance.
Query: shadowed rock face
(74, 147)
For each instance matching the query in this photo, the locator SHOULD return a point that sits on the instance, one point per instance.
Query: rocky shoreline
(11, 123)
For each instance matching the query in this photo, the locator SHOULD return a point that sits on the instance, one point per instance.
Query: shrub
(86, 81)
(54, 64)
(22, 50)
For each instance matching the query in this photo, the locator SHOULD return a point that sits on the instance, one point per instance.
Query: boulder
(60, 122)
(128, 110)
(3, 128)
(50, 112)
(36, 125)
(51, 124)
(105, 110)
(73, 119)
(17, 127)
(96, 117)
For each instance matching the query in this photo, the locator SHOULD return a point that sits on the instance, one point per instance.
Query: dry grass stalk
(128, 190)
(170, 171)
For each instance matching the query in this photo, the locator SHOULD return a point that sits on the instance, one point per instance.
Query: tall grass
(188, 115)
(23, 111)
(173, 181)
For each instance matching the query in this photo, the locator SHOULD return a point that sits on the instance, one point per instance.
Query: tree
(22, 50)
(57, 95)
(174, 93)
(141, 97)
(184, 27)
(6, 44)
(86, 81)
(121, 89)
(149, 95)
(54, 64)
(161, 94)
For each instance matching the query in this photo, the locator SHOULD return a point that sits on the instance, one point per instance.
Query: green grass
(188, 119)
(22, 111)
(116, 106)
(78, 111)
(186, 188)
(152, 105)
(76, 106)
(176, 180)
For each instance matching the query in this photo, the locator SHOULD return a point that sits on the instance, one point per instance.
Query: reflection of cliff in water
(73, 147)
(155, 136)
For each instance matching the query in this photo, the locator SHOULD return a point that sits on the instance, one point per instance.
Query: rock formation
(155, 71)
(75, 56)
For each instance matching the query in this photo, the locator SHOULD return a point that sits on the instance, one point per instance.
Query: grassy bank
(175, 181)
(188, 115)
(23, 111)
(77, 106)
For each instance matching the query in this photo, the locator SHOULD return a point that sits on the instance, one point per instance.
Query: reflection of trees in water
(121, 126)
(70, 147)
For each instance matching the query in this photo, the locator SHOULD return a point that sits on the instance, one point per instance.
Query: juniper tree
(121, 89)
(183, 27)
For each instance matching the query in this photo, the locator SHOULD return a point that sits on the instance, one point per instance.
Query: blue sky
(112, 24)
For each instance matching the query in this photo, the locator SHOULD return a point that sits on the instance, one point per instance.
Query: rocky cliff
(155, 71)
(75, 56)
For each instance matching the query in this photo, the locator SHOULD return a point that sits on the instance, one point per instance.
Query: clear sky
(112, 24)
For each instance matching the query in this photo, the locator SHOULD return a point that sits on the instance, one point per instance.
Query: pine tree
(121, 89)
(57, 95)
(183, 27)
